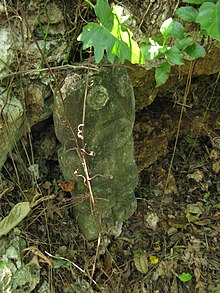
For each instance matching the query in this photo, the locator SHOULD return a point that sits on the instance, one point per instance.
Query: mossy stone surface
(110, 113)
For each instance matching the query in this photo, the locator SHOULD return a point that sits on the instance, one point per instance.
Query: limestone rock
(10, 124)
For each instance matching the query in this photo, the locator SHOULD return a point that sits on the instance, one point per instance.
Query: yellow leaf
(153, 259)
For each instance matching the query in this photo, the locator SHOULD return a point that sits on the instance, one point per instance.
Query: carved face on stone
(97, 97)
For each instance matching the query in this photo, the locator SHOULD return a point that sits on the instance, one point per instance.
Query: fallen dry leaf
(67, 186)
(41, 256)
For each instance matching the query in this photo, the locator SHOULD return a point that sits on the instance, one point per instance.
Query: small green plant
(171, 48)
(110, 35)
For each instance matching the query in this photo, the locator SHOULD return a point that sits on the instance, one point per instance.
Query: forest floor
(170, 244)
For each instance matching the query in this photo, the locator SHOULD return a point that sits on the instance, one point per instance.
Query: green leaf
(187, 13)
(94, 34)
(182, 44)
(185, 277)
(104, 14)
(110, 36)
(2, 265)
(162, 73)
(16, 215)
(209, 19)
(178, 31)
(166, 27)
(195, 51)
(174, 56)
(198, 1)
(59, 262)
(141, 261)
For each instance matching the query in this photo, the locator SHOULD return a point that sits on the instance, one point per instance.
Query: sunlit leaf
(5, 277)
(153, 259)
(167, 27)
(110, 36)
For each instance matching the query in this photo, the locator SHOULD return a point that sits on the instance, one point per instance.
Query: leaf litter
(170, 244)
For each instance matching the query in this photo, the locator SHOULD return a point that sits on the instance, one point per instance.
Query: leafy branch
(109, 34)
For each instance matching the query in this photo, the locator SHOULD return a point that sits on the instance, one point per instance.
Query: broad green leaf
(97, 36)
(174, 56)
(185, 277)
(2, 265)
(178, 31)
(187, 13)
(104, 14)
(209, 19)
(162, 73)
(16, 215)
(110, 36)
(182, 44)
(167, 27)
(195, 51)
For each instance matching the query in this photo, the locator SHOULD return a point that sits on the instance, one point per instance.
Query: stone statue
(105, 141)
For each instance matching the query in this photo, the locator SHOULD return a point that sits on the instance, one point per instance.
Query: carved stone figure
(107, 133)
